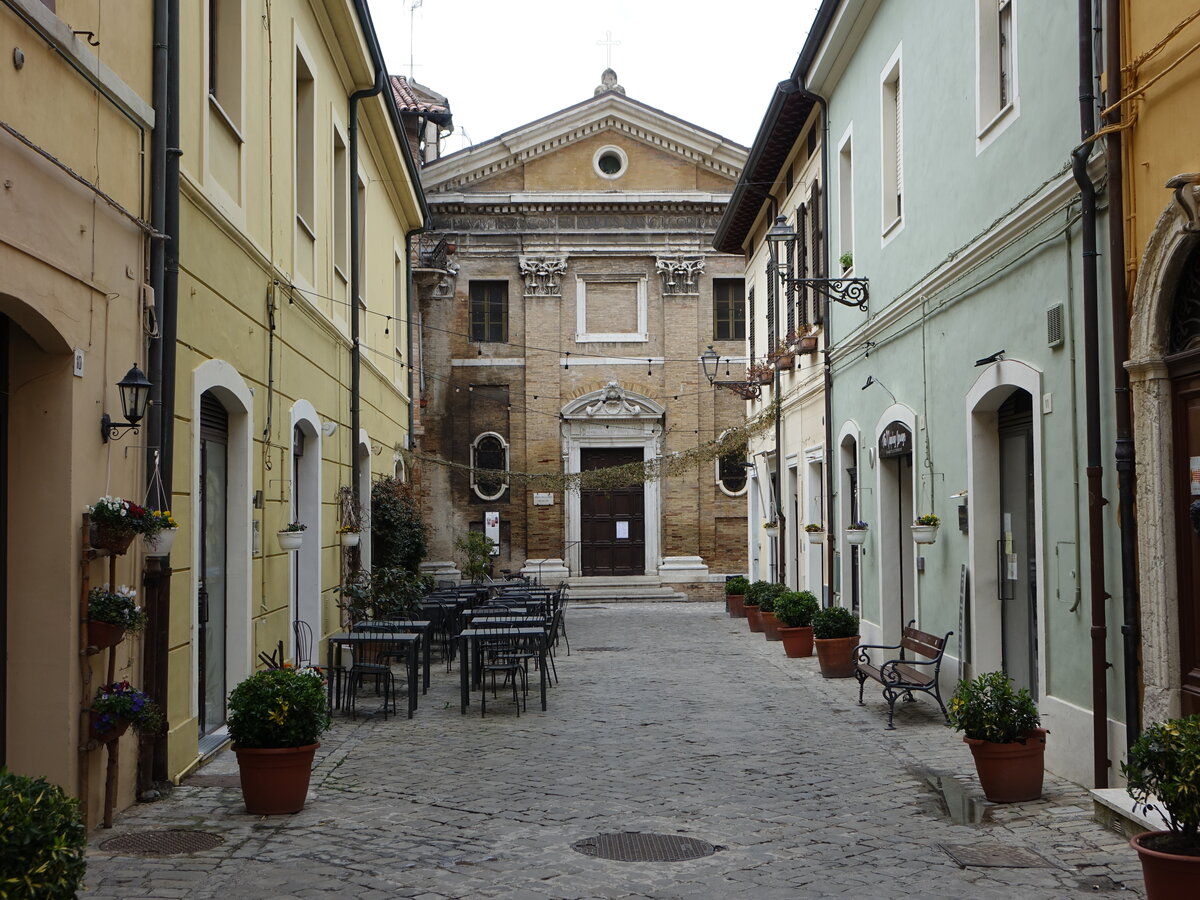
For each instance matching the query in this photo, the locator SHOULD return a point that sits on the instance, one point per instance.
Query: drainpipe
(830, 453)
(1125, 451)
(1091, 377)
(408, 293)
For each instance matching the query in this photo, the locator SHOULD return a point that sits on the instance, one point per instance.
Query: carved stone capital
(543, 275)
(680, 274)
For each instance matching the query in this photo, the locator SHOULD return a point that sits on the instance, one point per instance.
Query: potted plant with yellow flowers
(276, 717)
(291, 536)
(158, 532)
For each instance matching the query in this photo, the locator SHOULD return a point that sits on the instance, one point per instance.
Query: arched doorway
(306, 508)
(212, 595)
(897, 594)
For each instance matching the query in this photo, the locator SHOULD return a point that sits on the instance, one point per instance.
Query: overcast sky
(502, 64)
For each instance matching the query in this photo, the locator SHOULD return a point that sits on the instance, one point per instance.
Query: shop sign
(896, 440)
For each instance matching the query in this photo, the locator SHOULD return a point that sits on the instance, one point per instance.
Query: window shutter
(899, 151)
(751, 321)
(802, 259)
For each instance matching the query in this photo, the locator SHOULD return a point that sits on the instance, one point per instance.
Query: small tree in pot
(276, 717)
(1000, 725)
(835, 634)
(795, 611)
(1162, 772)
(754, 597)
(735, 594)
(766, 611)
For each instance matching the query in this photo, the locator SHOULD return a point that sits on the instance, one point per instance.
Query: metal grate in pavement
(995, 855)
(161, 843)
(599, 649)
(219, 781)
(634, 846)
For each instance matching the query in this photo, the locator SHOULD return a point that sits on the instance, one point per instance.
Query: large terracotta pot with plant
(735, 595)
(1161, 775)
(754, 597)
(1000, 725)
(275, 719)
(766, 611)
(795, 611)
(835, 634)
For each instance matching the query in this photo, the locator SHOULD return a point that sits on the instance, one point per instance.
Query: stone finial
(608, 82)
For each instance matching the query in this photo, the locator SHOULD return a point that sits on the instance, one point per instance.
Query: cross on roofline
(608, 40)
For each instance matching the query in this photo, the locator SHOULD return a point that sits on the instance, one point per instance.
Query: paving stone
(698, 728)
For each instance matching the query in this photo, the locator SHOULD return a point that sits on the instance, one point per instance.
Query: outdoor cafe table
(468, 643)
(409, 641)
(417, 626)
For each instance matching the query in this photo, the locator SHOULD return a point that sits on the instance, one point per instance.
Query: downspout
(355, 279)
(408, 294)
(1091, 369)
(1125, 451)
(156, 576)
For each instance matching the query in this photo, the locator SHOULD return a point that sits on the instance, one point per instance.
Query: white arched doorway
(305, 470)
(895, 508)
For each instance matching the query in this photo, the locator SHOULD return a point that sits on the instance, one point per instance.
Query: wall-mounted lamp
(846, 291)
(134, 389)
(871, 379)
(710, 361)
(988, 360)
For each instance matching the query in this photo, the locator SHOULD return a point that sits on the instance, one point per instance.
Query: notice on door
(622, 531)
(1194, 464)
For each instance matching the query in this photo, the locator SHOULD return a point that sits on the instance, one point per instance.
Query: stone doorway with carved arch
(611, 418)
(1164, 372)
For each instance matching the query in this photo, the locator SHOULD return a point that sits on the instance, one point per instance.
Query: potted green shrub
(754, 595)
(291, 536)
(766, 611)
(118, 705)
(276, 717)
(42, 839)
(795, 611)
(1161, 774)
(1000, 725)
(112, 615)
(835, 635)
(925, 528)
(735, 594)
(475, 549)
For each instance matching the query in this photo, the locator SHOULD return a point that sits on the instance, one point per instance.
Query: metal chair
(371, 661)
(501, 654)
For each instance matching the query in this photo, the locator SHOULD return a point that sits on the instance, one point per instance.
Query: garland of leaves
(734, 440)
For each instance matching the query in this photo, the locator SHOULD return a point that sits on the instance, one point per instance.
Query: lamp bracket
(747, 390)
(112, 430)
(846, 291)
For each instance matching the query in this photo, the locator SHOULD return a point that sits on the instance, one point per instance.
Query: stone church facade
(562, 318)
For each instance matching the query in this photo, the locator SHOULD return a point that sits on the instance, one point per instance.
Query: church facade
(560, 330)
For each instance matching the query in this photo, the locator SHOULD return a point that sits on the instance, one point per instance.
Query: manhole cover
(219, 781)
(994, 855)
(599, 649)
(633, 846)
(161, 843)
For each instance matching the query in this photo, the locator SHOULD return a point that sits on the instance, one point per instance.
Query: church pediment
(610, 116)
(612, 402)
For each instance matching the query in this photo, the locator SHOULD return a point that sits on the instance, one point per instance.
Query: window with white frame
(341, 211)
(225, 57)
(846, 203)
(731, 473)
(304, 152)
(995, 61)
(362, 246)
(489, 465)
(892, 144)
(611, 308)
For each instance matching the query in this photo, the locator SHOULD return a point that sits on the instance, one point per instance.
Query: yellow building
(76, 122)
(267, 429)
(1161, 156)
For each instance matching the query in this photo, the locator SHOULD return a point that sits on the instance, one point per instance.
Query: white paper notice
(622, 531)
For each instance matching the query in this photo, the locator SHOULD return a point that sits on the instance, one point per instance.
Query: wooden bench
(900, 677)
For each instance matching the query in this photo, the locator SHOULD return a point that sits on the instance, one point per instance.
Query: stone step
(1113, 808)
(622, 589)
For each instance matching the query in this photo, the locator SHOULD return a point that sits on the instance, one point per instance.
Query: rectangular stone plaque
(543, 499)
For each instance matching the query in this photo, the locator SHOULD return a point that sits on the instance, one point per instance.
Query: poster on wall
(491, 528)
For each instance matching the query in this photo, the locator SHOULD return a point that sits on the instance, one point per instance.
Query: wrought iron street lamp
(846, 291)
(710, 361)
(134, 389)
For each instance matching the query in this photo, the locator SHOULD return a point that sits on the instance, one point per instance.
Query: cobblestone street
(670, 719)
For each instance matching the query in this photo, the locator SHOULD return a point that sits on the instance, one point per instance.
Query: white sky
(503, 64)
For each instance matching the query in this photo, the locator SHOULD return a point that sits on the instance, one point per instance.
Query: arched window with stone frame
(489, 458)
(731, 473)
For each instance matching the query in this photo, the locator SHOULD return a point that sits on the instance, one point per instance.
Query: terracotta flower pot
(1010, 773)
(275, 780)
(797, 642)
(104, 634)
(836, 656)
(104, 538)
(734, 604)
(754, 618)
(770, 625)
(1167, 875)
(114, 731)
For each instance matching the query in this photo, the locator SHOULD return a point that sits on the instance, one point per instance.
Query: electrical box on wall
(962, 517)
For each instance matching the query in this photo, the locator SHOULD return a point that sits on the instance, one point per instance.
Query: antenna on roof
(411, 19)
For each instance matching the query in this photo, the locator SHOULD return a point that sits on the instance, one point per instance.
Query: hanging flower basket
(350, 538)
(290, 540)
(102, 730)
(816, 537)
(925, 534)
(104, 634)
(160, 544)
(102, 537)
(856, 536)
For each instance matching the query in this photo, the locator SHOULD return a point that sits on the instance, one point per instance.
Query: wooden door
(612, 523)
(1186, 416)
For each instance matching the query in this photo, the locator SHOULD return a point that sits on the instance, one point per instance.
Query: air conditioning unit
(1054, 325)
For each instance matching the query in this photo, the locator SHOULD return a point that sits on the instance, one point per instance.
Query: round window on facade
(489, 462)
(610, 162)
